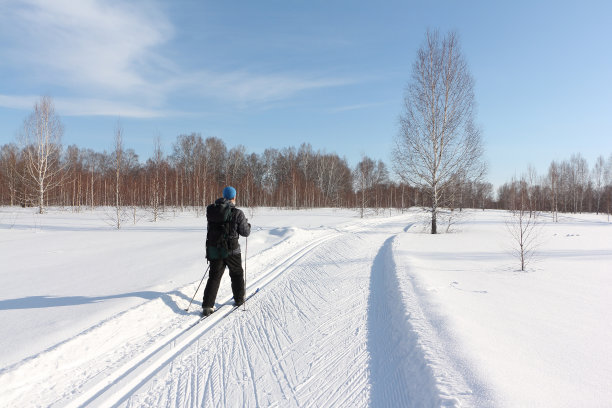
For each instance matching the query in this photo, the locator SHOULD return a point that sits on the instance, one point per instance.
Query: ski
(245, 300)
(233, 309)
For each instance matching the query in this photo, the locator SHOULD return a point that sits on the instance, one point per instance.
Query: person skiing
(225, 224)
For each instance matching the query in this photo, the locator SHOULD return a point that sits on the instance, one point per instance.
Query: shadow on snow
(40, 302)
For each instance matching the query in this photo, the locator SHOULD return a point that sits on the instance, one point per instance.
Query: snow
(350, 312)
(542, 338)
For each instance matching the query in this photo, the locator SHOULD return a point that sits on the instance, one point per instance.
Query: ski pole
(246, 248)
(197, 288)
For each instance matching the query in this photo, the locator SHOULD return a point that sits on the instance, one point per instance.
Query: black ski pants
(217, 267)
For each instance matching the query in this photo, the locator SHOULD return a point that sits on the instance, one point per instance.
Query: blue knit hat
(229, 193)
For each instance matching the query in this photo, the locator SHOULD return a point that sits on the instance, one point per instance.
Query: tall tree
(438, 138)
(608, 183)
(363, 177)
(369, 177)
(42, 135)
(155, 165)
(118, 172)
(553, 179)
(598, 179)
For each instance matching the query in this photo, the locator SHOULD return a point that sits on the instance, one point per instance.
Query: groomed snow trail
(325, 333)
(123, 381)
(400, 374)
(350, 313)
(330, 326)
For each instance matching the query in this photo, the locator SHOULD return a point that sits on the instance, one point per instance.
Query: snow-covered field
(350, 312)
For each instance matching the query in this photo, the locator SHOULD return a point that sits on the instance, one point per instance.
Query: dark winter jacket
(239, 226)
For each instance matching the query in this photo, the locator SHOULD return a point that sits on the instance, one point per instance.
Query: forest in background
(38, 171)
(196, 170)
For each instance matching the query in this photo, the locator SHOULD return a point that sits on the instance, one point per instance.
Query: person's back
(226, 224)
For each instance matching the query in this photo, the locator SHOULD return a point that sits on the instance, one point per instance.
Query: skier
(225, 224)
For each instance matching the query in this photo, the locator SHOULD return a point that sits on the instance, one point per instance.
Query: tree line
(569, 186)
(38, 171)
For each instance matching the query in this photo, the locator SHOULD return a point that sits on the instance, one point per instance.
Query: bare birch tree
(437, 137)
(155, 165)
(363, 176)
(523, 225)
(598, 179)
(608, 183)
(553, 179)
(118, 168)
(41, 138)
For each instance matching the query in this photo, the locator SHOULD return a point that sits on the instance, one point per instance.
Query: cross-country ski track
(348, 312)
(123, 381)
(321, 331)
(313, 313)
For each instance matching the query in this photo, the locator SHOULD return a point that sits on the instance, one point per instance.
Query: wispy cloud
(88, 42)
(246, 87)
(88, 107)
(17, 102)
(356, 107)
(103, 57)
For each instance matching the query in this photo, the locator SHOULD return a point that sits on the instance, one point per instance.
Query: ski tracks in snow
(300, 343)
(93, 365)
(331, 326)
(122, 382)
(333, 330)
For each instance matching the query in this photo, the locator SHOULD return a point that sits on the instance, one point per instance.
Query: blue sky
(331, 73)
